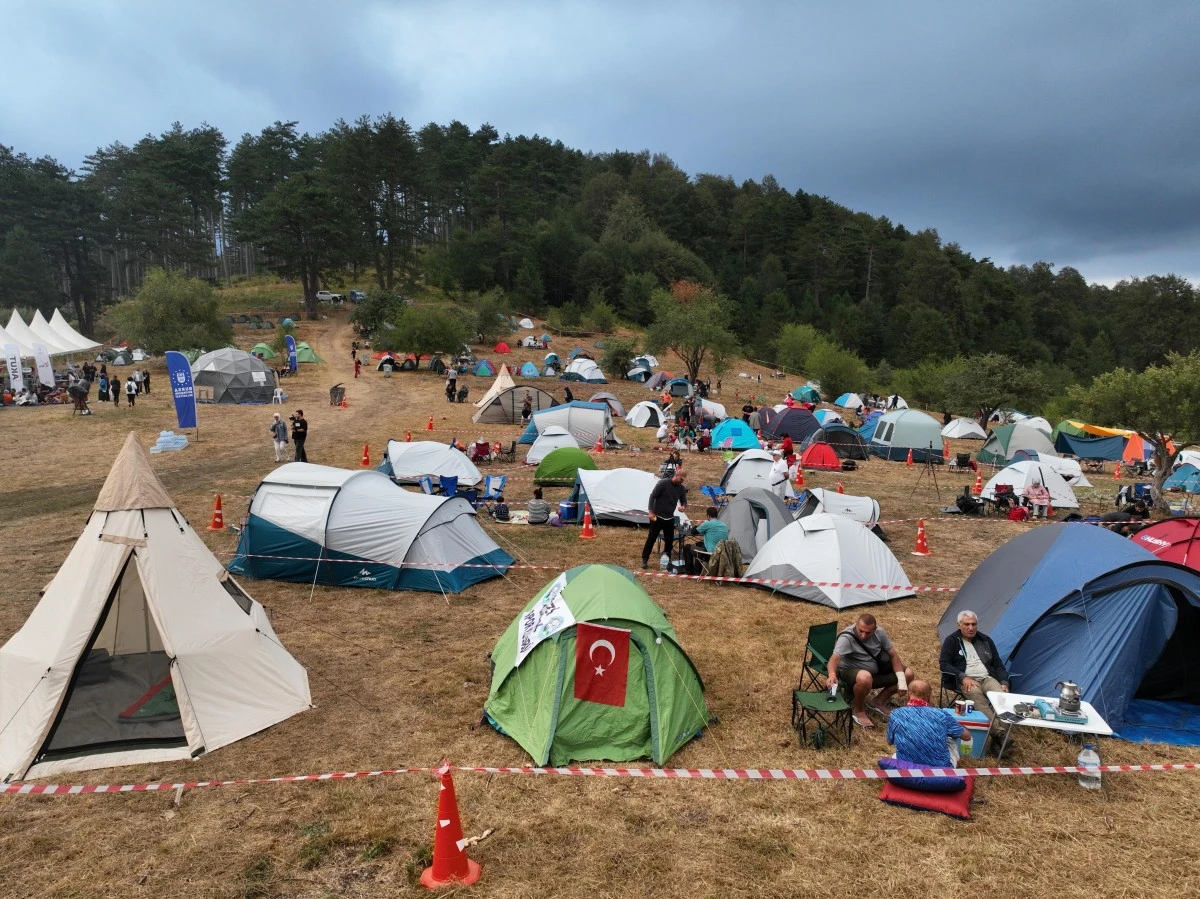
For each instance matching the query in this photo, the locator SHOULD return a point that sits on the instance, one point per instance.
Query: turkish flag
(601, 663)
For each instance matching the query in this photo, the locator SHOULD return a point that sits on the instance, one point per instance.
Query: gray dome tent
(234, 376)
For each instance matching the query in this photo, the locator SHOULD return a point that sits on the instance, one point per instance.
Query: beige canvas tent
(502, 383)
(142, 648)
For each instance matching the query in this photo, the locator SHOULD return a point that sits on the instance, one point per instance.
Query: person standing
(114, 389)
(102, 389)
(146, 381)
(130, 391)
(137, 379)
(279, 436)
(299, 434)
(568, 396)
(526, 408)
(779, 475)
(357, 367)
(668, 494)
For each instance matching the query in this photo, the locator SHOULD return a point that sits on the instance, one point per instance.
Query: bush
(169, 312)
(602, 318)
(837, 369)
(618, 356)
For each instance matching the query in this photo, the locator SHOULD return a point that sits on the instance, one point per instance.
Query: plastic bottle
(664, 562)
(1089, 758)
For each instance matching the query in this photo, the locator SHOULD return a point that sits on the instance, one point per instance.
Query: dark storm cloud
(1021, 130)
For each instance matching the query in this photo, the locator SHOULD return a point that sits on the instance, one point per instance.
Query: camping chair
(1005, 498)
(426, 483)
(448, 484)
(947, 688)
(336, 394)
(716, 495)
(821, 638)
(508, 455)
(493, 485)
(961, 462)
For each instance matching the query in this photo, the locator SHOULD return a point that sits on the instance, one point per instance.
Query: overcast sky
(1067, 132)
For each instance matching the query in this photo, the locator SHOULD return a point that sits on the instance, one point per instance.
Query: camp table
(1004, 702)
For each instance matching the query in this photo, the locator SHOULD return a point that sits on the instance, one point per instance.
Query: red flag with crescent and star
(601, 663)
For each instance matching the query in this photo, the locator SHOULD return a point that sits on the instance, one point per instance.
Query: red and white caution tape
(808, 774)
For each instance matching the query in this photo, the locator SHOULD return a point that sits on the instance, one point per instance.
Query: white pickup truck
(326, 296)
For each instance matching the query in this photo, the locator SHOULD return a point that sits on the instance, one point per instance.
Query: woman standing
(279, 434)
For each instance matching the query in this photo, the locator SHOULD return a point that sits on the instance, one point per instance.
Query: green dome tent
(262, 349)
(304, 353)
(560, 466)
(586, 618)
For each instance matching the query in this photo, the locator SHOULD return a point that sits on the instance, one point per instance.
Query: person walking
(137, 379)
(526, 408)
(668, 494)
(102, 389)
(114, 390)
(299, 434)
(130, 391)
(279, 436)
(357, 367)
(146, 381)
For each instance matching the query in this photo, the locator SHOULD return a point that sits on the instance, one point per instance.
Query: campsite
(401, 677)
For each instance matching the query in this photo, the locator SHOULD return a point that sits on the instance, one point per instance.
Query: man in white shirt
(779, 475)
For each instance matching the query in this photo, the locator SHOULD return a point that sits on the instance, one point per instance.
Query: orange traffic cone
(908, 461)
(599, 447)
(218, 519)
(588, 532)
(922, 544)
(800, 485)
(408, 436)
(1117, 471)
(345, 405)
(450, 862)
(945, 449)
(978, 483)
(841, 489)
(366, 460)
(429, 424)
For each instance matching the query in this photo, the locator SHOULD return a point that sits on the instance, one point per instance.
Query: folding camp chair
(426, 483)
(508, 455)
(947, 688)
(821, 638)
(716, 495)
(448, 484)
(493, 485)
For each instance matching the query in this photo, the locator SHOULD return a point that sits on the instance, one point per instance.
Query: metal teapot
(1069, 697)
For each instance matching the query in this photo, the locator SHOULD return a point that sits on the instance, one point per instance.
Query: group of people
(279, 435)
(136, 383)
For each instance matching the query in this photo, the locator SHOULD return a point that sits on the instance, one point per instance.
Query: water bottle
(1090, 759)
(664, 562)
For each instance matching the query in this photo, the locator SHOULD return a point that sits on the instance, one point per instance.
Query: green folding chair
(821, 638)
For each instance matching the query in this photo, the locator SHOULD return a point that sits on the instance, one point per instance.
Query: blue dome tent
(483, 367)
(736, 431)
(529, 370)
(1073, 601)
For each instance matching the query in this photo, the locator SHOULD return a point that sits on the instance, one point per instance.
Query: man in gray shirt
(865, 657)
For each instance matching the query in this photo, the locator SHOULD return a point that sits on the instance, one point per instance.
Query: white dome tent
(750, 469)
(645, 415)
(407, 463)
(854, 564)
(554, 437)
(142, 648)
(964, 429)
(1020, 475)
(617, 494)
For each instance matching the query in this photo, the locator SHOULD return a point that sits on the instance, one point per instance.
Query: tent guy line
(763, 774)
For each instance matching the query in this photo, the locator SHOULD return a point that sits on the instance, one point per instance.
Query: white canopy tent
(17, 328)
(407, 463)
(63, 328)
(836, 551)
(75, 343)
(142, 648)
(25, 352)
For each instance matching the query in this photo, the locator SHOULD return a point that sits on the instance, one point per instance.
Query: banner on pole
(179, 372)
(12, 361)
(45, 371)
(291, 351)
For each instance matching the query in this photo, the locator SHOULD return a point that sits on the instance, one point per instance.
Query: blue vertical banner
(179, 372)
(291, 348)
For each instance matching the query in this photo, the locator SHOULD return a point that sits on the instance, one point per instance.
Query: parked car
(357, 296)
(326, 296)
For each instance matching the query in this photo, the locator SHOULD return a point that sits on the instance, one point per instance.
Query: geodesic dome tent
(235, 376)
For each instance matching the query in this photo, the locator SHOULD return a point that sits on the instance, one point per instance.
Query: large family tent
(750, 469)
(585, 421)
(964, 429)
(142, 648)
(614, 404)
(547, 442)
(546, 681)
(617, 494)
(1006, 441)
(304, 353)
(806, 394)
(733, 433)
(846, 442)
(1110, 449)
(867, 429)
(907, 429)
(584, 369)
(407, 463)
(820, 457)
(1187, 457)
(645, 415)
(1020, 475)
(233, 376)
(505, 407)
(847, 401)
(529, 370)
(1068, 469)
(855, 566)
(1172, 540)
(1079, 602)
(263, 350)
(560, 467)
(314, 524)
(863, 509)
(795, 423)
(753, 517)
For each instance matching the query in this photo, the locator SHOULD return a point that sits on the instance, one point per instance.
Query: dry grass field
(400, 679)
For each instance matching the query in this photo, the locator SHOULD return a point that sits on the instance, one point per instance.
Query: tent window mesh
(121, 693)
(239, 596)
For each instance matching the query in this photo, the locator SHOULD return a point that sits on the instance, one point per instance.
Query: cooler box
(977, 726)
(566, 511)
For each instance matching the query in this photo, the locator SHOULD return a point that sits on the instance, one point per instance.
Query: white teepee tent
(142, 648)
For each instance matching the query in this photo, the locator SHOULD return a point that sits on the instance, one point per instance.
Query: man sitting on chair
(865, 658)
(713, 530)
(970, 663)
